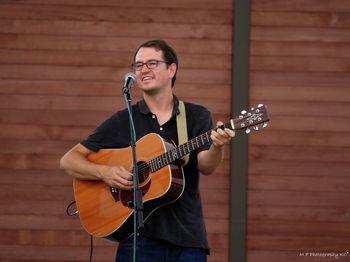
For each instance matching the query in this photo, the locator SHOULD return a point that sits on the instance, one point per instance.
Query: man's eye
(138, 65)
(152, 63)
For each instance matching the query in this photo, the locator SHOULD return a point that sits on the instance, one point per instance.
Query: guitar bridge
(115, 193)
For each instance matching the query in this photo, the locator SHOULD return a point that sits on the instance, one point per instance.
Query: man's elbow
(64, 163)
(207, 171)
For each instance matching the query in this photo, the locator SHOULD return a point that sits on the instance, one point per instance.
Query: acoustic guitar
(107, 212)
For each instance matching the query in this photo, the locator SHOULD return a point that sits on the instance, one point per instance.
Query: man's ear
(172, 70)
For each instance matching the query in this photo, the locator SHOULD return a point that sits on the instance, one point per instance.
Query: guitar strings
(148, 166)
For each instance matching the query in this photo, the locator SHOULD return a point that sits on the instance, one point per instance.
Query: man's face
(158, 76)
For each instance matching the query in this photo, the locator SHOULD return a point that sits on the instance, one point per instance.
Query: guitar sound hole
(143, 171)
(127, 197)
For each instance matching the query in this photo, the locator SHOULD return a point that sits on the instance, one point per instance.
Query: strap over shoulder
(182, 128)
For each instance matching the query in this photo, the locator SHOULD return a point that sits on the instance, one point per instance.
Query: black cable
(71, 214)
(74, 214)
(91, 248)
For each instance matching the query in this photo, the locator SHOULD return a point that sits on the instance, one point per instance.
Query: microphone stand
(137, 196)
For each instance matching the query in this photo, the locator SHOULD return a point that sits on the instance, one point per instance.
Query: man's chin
(149, 90)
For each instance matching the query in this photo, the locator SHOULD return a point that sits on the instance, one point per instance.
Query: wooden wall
(61, 70)
(299, 168)
(62, 64)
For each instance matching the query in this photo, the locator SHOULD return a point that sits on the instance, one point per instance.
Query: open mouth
(146, 78)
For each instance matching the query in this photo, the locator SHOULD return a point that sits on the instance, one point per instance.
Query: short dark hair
(169, 54)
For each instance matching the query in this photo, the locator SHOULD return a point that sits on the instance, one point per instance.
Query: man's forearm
(78, 166)
(210, 159)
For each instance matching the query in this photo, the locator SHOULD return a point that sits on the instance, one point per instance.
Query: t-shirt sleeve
(105, 135)
(201, 122)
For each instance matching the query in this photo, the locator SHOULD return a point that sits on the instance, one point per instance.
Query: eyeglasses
(151, 64)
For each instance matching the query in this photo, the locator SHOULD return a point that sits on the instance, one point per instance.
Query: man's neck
(160, 102)
(161, 105)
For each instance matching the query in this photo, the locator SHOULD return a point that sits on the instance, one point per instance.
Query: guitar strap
(182, 128)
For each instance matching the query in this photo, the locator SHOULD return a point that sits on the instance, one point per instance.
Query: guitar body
(107, 212)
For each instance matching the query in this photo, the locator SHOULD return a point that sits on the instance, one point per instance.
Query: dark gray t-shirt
(180, 222)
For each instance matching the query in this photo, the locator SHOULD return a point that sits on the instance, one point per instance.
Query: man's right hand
(116, 176)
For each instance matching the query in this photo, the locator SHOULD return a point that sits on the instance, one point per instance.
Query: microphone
(129, 81)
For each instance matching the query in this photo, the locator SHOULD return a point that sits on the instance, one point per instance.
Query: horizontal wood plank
(42, 192)
(43, 132)
(300, 34)
(300, 5)
(39, 222)
(325, 18)
(216, 211)
(301, 138)
(37, 147)
(313, 229)
(29, 161)
(338, 184)
(111, 29)
(303, 153)
(224, 4)
(27, 177)
(213, 196)
(297, 64)
(124, 44)
(300, 49)
(300, 79)
(317, 109)
(87, 119)
(303, 213)
(299, 168)
(300, 244)
(287, 93)
(37, 253)
(99, 12)
(113, 59)
(51, 207)
(282, 198)
(309, 123)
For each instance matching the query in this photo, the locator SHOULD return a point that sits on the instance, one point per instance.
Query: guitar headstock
(252, 118)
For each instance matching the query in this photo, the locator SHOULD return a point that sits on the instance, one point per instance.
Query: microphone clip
(129, 81)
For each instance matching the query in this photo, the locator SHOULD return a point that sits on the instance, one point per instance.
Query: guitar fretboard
(244, 121)
(182, 150)
(179, 152)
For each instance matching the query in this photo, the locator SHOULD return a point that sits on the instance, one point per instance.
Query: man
(174, 232)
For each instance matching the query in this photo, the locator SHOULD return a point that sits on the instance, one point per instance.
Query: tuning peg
(247, 131)
(243, 112)
(252, 109)
(264, 125)
(260, 105)
(256, 128)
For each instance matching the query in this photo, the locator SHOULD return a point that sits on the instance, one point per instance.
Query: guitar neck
(179, 152)
(246, 120)
(184, 149)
